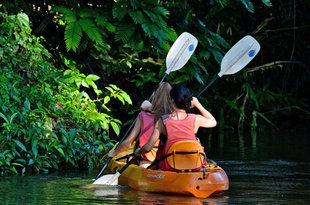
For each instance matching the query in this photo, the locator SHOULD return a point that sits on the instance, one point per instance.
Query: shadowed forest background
(73, 73)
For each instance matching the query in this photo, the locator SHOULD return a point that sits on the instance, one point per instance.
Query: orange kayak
(199, 184)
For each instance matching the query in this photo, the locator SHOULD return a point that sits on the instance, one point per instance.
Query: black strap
(125, 157)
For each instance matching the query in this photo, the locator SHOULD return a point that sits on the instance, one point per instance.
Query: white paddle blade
(108, 179)
(239, 55)
(180, 52)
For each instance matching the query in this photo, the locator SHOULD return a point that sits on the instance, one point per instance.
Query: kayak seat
(151, 156)
(186, 155)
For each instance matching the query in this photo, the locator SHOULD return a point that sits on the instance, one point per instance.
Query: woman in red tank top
(143, 128)
(180, 125)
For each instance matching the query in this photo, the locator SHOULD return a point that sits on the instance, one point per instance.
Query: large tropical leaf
(73, 35)
(125, 31)
(91, 30)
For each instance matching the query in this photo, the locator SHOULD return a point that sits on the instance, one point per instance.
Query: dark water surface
(266, 168)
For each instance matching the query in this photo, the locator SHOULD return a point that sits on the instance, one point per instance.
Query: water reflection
(267, 168)
(140, 197)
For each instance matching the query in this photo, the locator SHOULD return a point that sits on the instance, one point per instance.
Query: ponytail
(181, 96)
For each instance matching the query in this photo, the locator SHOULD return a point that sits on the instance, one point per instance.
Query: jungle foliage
(59, 78)
(48, 119)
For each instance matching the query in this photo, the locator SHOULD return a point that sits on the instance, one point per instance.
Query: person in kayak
(179, 125)
(143, 128)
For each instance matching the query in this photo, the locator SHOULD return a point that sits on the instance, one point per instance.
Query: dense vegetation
(67, 69)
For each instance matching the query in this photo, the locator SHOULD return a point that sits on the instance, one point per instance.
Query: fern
(219, 40)
(83, 20)
(159, 10)
(91, 30)
(124, 32)
(102, 21)
(137, 16)
(156, 18)
(150, 29)
(171, 34)
(73, 35)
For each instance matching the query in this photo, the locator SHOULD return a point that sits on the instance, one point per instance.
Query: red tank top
(177, 130)
(147, 126)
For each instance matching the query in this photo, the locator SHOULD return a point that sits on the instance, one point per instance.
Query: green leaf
(232, 105)
(47, 164)
(125, 32)
(73, 35)
(12, 117)
(6, 119)
(91, 30)
(105, 107)
(85, 84)
(106, 99)
(23, 19)
(126, 97)
(34, 147)
(120, 98)
(248, 5)
(92, 77)
(72, 133)
(61, 151)
(13, 169)
(267, 3)
(115, 127)
(17, 164)
(137, 16)
(31, 161)
(265, 118)
(20, 145)
(27, 105)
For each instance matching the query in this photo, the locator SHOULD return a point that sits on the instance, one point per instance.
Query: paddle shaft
(127, 132)
(127, 165)
(217, 77)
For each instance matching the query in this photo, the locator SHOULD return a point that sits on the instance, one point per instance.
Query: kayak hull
(199, 184)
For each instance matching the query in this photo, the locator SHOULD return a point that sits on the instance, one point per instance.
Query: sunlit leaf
(115, 127)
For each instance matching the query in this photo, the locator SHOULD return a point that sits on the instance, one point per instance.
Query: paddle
(237, 58)
(180, 52)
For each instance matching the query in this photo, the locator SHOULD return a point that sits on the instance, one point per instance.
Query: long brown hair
(161, 102)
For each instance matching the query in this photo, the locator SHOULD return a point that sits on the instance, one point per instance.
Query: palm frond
(73, 35)
(159, 10)
(91, 30)
(124, 32)
(137, 16)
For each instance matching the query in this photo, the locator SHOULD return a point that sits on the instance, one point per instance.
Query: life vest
(177, 130)
(147, 126)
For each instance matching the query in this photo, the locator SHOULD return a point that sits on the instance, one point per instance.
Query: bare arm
(206, 119)
(159, 129)
(128, 141)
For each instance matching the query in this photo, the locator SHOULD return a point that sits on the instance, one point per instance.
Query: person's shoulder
(192, 115)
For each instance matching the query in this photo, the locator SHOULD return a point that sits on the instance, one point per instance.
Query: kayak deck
(199, 184)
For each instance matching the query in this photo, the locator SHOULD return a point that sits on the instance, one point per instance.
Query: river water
(263, 168)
